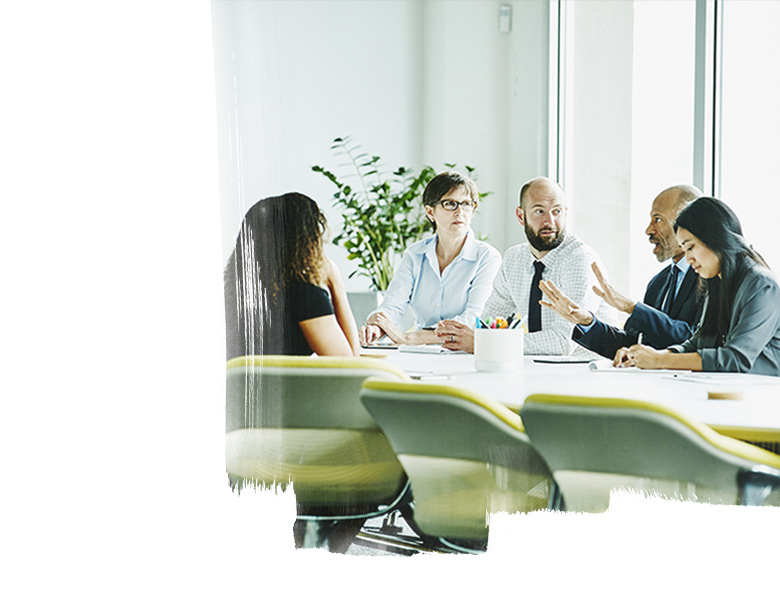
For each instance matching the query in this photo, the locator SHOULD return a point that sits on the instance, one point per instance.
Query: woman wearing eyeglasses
(446, 276)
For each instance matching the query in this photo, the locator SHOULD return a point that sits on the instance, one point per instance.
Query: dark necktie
(671, 288)
(534, 308)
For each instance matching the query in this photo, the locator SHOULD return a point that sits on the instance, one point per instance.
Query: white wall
(292, 76)
(485, 101)
(416, 82)
(435, 81)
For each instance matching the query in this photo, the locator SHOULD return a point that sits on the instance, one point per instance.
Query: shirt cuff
(587, 328)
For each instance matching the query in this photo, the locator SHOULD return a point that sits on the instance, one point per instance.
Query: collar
(683, 265)
(468, 252)
(550, 258)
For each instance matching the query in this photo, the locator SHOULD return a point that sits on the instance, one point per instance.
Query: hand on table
(609, 294)
(379, 324)
(561, 304)
(454, 335)
(369, 334)
(640, 356)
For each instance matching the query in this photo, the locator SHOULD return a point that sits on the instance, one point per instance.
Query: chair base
(334, 535)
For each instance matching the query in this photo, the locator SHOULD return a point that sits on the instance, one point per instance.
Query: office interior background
(113, 246)
(615, 100)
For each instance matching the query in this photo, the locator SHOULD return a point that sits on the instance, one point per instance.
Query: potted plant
(381, 215)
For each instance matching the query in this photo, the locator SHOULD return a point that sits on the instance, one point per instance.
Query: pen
(639, 339)
(518, 323)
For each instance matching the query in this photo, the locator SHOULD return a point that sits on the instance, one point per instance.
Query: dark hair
(280, 240)
(443, 183)
(714, 223)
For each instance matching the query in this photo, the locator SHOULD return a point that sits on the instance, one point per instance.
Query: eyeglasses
(452, 205)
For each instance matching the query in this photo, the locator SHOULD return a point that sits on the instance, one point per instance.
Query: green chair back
(466, 456)
(300, 420)
(596, 445)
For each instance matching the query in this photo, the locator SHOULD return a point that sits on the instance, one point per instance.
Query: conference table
(751, 412)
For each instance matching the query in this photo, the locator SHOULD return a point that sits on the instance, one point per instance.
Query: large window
(653, 93)
(627, 120)
(749, 103)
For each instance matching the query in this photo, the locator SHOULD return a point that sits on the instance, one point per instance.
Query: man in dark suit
(670, 309)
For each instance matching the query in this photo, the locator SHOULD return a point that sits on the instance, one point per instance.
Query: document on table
(428, 375)
(429, 349)
(604, 365)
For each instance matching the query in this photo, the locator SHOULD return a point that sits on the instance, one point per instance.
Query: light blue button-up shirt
(458, 293)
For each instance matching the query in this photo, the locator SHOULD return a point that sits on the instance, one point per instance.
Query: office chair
(466, 457)
(299, 420)
(595, 445)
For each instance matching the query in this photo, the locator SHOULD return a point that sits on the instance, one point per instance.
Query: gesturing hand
(561, 304)
(609, 294)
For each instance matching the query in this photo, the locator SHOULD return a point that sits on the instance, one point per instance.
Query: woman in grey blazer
(740, 327)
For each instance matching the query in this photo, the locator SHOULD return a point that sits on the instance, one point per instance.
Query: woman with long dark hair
(740, 326)
(282, 294)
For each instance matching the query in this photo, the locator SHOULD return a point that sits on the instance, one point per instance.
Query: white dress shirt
(458, 293)
(568, 267)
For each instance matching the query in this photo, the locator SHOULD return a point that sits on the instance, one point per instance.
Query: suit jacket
(752, 343)
(658, 329)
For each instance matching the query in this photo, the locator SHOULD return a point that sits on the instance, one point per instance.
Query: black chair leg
(556, 498)
(334, 535)
(756, 485)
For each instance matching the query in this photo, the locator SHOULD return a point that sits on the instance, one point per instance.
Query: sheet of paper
(428, 349)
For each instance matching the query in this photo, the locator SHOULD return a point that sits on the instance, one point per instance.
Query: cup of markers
(498, 344)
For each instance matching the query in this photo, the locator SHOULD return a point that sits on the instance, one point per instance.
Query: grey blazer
(752, 343)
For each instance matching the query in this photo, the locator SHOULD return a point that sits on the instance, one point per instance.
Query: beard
(666, 249)
(541, 244)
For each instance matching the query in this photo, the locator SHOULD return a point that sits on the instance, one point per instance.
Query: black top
(274, 330)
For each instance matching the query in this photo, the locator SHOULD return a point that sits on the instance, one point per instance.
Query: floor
(372, 542)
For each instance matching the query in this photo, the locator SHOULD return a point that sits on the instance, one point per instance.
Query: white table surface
(755, 417)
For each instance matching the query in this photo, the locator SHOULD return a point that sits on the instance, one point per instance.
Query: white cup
(498, 349)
